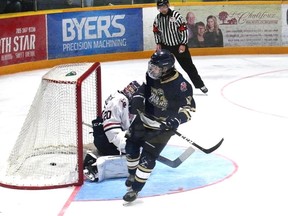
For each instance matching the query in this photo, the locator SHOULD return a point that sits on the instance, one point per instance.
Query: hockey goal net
(48, 152)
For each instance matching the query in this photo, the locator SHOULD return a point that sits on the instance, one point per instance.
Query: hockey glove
(136, 103)
(172, 123)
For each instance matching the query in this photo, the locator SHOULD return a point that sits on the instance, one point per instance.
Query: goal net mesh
(49, 150)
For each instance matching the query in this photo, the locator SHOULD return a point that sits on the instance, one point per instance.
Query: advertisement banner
(285, 25)
(235, 25)
(94, 32)
(23, 40)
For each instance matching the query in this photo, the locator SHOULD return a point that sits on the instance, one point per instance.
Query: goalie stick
(171, 163)
(207, 151)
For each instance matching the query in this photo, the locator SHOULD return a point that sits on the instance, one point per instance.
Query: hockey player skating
(109, 137)
(166, 96)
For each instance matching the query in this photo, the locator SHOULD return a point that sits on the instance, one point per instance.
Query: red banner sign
(22, 39)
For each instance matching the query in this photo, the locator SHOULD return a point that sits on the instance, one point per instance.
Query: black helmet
(162, 2)
(164, 60)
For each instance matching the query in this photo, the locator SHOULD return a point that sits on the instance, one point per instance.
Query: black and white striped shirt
(170, 29)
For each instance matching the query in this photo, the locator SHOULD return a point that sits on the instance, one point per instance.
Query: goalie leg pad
(112, 167)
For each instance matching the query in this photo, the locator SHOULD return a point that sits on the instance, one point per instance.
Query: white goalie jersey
(116, 119)
(116, 122)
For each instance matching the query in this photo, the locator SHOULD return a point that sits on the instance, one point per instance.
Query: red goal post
(48, 152)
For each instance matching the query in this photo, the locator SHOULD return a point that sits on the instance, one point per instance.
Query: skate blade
(135, 202)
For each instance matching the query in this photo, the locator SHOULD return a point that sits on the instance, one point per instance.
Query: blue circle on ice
(199, 170)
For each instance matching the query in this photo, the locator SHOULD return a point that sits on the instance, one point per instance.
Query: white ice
(246, 104)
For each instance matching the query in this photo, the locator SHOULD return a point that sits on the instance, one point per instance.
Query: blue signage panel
(94, 32)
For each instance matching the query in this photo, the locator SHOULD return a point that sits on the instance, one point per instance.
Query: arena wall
(43, 39)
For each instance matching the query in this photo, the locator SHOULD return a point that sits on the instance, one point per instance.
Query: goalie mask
(161, 64)
(130, 89)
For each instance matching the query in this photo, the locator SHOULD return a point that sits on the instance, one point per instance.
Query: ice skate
(130, 197)
(91, 173)
(90, 167)
(204, 89)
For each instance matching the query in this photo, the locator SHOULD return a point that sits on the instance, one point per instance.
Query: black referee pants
(185, 61)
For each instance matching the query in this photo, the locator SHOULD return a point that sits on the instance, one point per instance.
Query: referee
(170, 32)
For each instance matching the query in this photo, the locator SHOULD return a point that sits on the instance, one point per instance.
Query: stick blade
(212, 149)
(175, 163)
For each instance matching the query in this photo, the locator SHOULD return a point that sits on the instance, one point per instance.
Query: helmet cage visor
(154, 71)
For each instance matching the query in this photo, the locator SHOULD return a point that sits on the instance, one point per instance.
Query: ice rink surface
(246, 104)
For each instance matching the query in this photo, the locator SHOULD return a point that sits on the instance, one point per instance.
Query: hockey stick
(207, 151)
(175, 163)
(179, 160)
(86, 124)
